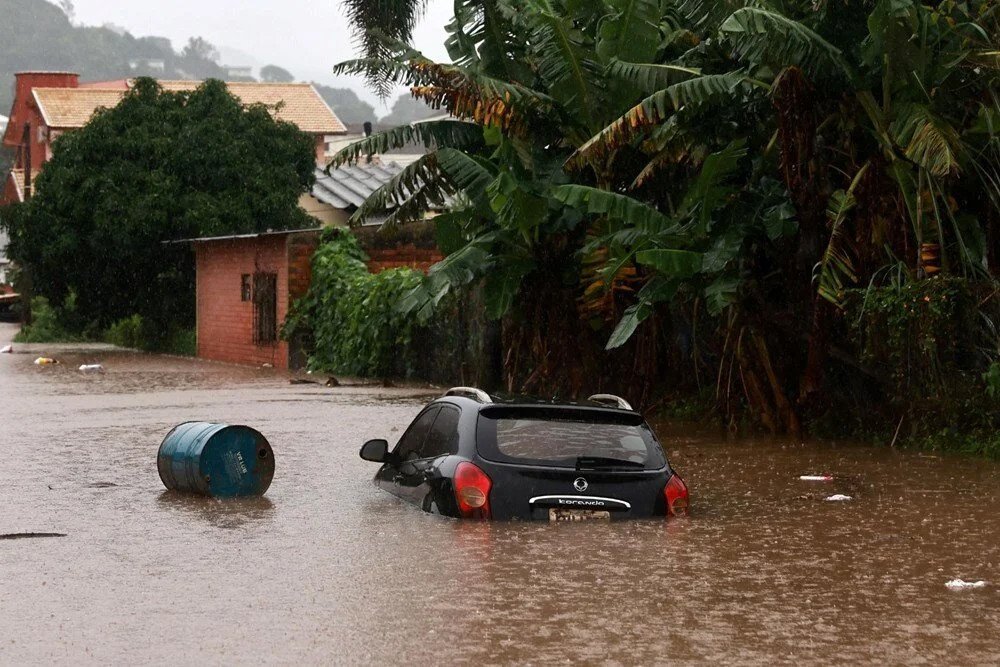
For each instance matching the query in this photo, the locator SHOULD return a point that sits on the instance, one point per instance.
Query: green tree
(159, 166)
(275, 74)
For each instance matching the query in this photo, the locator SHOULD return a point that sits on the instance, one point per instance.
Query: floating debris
(958, 584)
(838, 497)
(28, 536)
(91, 368)
(7, 349)
(816, 478)
(45, 361)
(215, 460)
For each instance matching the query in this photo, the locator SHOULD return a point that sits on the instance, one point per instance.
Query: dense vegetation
(159, 166)
(735, 198)
(351, 314)
(350, 323)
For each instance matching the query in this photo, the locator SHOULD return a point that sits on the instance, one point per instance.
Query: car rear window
(585, 439)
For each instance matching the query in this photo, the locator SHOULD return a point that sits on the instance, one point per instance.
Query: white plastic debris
(838, 497)
(816, 478)
(958, 584)
(91, 368)
(7, 349)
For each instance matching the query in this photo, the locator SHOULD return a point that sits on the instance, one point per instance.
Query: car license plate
(578, 515)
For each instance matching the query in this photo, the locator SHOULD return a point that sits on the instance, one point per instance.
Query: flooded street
(327, 569)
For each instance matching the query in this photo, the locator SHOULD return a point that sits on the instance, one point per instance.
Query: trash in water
(91, 368)
(7, 349)
(26, 536)
(837, 497)
(816, 478)
(45, 361)
(958, 584)
(215, 460)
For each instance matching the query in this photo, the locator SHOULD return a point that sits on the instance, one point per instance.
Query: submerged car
(470, 455)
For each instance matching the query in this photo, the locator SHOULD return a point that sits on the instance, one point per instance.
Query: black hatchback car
(468, 455)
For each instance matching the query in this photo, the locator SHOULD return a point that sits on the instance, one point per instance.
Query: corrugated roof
(240, 237)
(348, 186)
(68, 108)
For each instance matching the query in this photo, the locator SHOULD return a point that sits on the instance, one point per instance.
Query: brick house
(245, 286)
(246, 283)
(47, 104)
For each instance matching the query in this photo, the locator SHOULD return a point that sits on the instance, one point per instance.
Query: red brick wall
(300, 251)
(225, 323)
(380, 259)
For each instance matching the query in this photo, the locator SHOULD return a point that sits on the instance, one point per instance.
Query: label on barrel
(235, 466)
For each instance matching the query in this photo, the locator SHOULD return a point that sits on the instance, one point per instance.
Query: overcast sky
(305, 37)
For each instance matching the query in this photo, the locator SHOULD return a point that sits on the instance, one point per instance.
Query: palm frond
(632, 32)
(374, 23)
(419, 187)
(650, 76)
(708, 190)
(425, 185)
(707, 14)
(761, 36)
(430, 134)
(616, 207)
(655, 109)
(569, 72)
(927, 139)
(836, 268)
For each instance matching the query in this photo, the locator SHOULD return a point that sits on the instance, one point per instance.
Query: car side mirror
(375, 450)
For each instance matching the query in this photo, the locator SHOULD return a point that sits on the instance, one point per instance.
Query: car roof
(529, 402)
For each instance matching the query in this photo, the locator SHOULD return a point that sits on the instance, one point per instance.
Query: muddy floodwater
(326, 569)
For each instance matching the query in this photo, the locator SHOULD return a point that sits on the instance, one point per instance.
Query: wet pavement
(327, 569)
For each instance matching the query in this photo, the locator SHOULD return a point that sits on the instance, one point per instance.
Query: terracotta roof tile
(67, 108)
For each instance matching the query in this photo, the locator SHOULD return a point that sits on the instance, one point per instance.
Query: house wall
(326, 214)
(413, 244)
(225, 322)
(25, 111)
(9, 190)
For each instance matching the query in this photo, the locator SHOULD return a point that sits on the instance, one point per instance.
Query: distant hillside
(37, 35)
(406, 110)
(351, 110)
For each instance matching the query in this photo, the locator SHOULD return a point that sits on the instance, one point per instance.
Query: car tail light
(472, 490)
(676, 492)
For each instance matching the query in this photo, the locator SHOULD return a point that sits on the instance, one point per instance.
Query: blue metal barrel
(216, 460)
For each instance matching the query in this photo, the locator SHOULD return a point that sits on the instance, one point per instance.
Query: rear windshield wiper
(596, 462)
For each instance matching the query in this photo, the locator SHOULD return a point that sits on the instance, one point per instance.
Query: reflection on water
(326, 568)
(220, 512)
